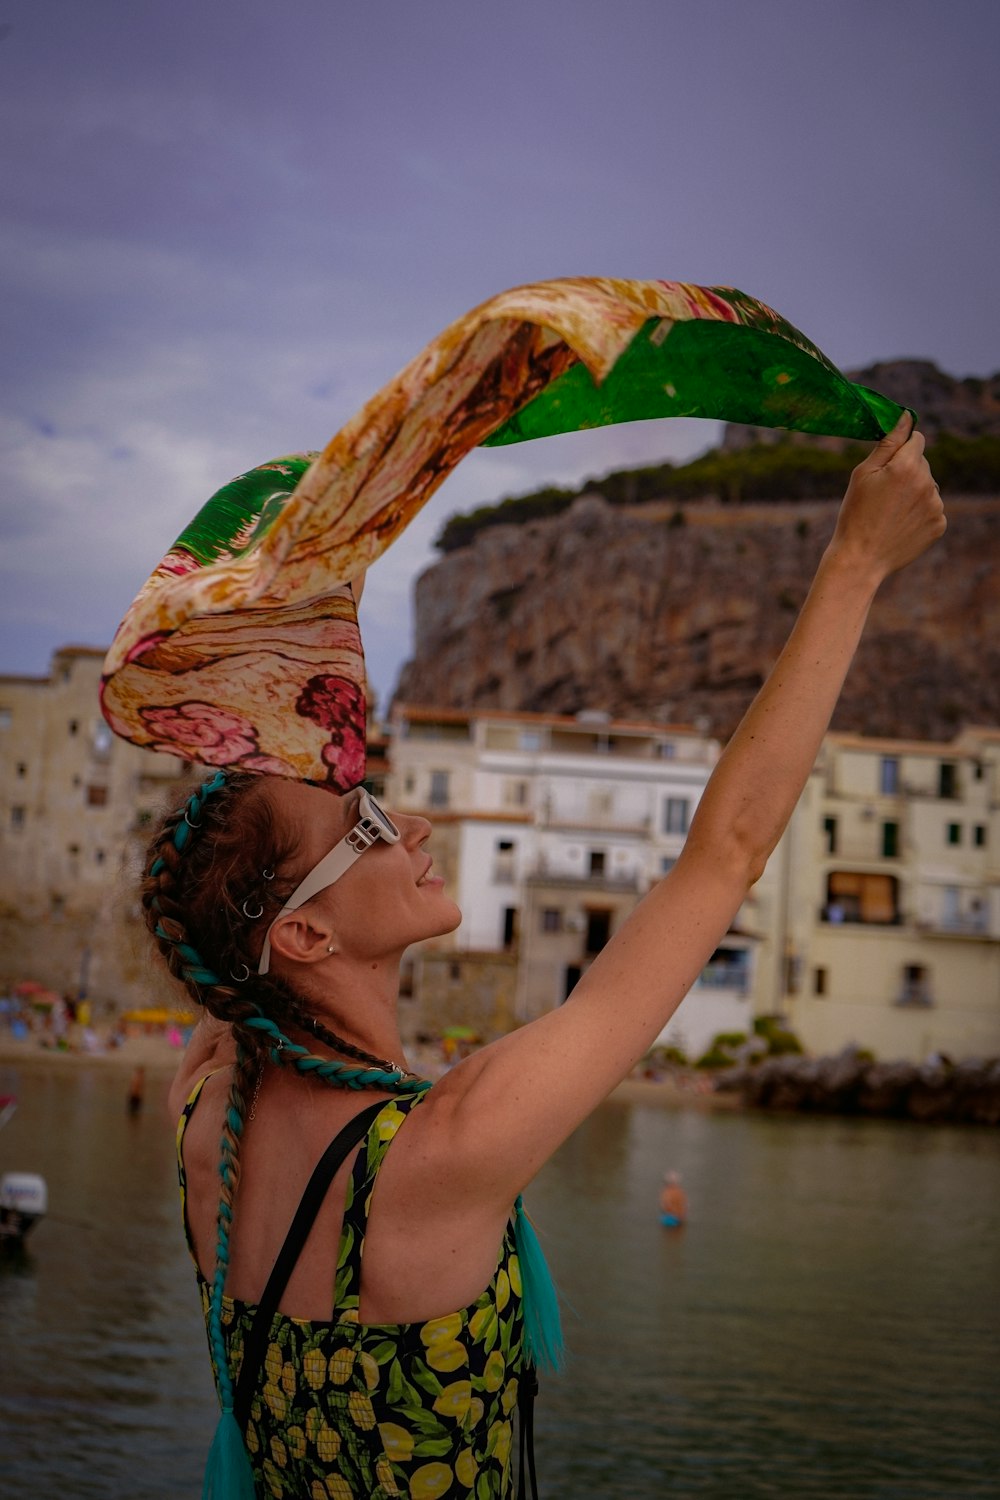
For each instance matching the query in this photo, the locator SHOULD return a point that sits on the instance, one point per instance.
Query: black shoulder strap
(305, 1216)
(527, 1390)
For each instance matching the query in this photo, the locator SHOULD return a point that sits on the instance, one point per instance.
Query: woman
(399, 1374)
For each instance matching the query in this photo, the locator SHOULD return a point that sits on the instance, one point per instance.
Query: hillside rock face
(678, 615)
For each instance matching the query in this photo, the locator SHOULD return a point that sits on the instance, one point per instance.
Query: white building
(548, 830)
(876, 921)
(883, 900)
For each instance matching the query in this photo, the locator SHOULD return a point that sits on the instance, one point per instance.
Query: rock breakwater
(851, 1083)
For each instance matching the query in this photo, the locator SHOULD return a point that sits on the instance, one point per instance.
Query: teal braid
(194, 970)
(189, 816)
(339, 1075)
(228, 1148)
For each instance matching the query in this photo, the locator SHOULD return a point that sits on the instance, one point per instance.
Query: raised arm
(518, 1099)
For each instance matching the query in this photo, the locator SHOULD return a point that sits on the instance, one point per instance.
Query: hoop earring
(241, 978)
(252, 916)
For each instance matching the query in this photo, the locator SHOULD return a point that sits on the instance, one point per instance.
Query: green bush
(780, 1041)
(768, 471)
(721, 1050)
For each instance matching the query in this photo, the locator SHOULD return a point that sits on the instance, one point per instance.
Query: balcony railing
(965, 926)
(542, 875)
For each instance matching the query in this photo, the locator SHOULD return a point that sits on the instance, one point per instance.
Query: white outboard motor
(24, 1199)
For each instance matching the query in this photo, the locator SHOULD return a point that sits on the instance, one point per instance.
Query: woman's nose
(413, 827)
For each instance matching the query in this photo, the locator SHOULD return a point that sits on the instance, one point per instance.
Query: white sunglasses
(372, 824)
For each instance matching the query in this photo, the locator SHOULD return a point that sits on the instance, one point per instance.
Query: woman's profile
(396, 1356)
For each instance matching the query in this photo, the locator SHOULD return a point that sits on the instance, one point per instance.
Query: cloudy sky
(227, 222)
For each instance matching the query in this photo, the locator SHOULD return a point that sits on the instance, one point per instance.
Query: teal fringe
(543, 1335)
(228, 1475)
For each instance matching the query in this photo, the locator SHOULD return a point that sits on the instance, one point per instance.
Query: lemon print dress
(345, 1409)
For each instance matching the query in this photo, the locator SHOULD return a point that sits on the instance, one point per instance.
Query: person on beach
(673, 1202)
(136, 1091)
(396, 1356)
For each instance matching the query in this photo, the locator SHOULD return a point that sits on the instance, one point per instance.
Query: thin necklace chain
(256, 1090)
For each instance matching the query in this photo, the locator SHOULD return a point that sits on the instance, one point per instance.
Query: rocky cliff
(656, 611)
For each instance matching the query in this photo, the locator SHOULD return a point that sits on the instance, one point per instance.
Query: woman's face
(389, 897)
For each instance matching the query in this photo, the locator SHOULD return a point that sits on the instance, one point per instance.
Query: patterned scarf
(243, 649)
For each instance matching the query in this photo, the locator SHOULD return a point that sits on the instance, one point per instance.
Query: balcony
(545, 877)
(974, 925)
(569, 820)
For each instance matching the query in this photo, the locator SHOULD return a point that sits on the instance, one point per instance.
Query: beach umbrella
(158, 1015)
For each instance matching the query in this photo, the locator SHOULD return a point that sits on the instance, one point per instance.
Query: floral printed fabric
(242, 649)
(347, 1410)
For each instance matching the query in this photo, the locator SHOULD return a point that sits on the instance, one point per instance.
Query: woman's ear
(303, 940)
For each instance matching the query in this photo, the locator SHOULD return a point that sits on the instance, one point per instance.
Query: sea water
(825, 1324)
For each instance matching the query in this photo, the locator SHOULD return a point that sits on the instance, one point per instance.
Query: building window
(515, 793)
(97, 796)
(17, 817)
(531, 740)
(6, 718)
(951, 907)
(977, 770)
(454, 971)
(98, 856)
(979, 835)
(22, 769)
(409, 782)
(597, 862)
(503, 864)
(830, 834)
(551, 919)
(890, 840)
(954, 833)
(598, 931)
(889, 776)
(915, 988)
(675, 815)
(727, 969)
(509, 926)
(666, 750)
(74, 725)
(866, 898)
(439, 789)
(102, 740)
(666, 864)
(947, 779)
(819, 981)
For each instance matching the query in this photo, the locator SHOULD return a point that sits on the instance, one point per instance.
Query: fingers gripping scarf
(243, 648)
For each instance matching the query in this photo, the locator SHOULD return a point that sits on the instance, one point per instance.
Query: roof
(962, 744)
(420, 713)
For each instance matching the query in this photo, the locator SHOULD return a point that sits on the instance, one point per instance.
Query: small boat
(24, 1196)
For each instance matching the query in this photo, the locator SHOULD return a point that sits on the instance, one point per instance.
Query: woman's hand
(892, 511)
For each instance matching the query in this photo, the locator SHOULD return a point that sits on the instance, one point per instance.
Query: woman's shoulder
(210, 1050)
